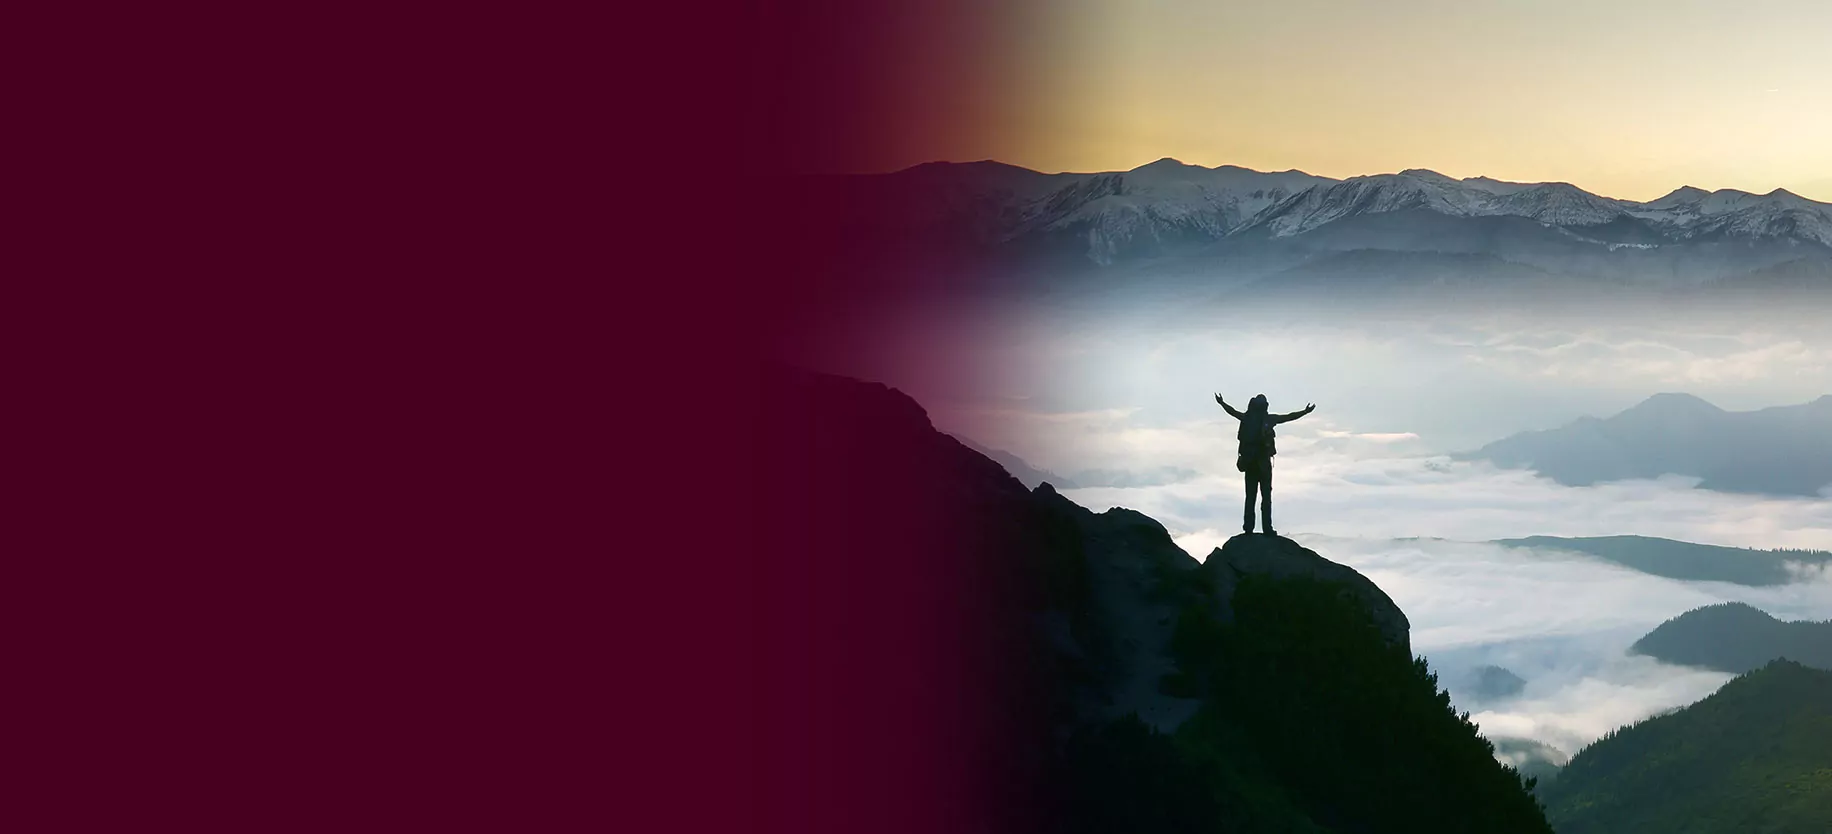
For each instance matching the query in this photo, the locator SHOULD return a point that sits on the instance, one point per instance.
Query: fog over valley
(1111, 399)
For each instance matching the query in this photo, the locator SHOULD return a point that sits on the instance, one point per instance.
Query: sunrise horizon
(1818, 192)
(1629, 100)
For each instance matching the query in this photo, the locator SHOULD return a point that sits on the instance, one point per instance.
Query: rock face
(1281, 558)
(1133, 569)
(1130, 561)
(1025, 658)
(1101, 592)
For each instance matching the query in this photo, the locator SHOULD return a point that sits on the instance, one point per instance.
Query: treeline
(1754, 756)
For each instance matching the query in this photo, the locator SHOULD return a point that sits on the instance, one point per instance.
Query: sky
(1625, 98)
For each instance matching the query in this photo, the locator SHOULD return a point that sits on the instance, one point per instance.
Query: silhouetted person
(1256, 451)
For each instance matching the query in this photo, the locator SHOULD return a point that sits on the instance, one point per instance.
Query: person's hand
(1220, 400)
(1309, 408)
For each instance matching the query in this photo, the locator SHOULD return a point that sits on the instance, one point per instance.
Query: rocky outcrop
(1280, 557)
(1135, 572)
(1027, 657)
(1102, 592)
(1131, 565)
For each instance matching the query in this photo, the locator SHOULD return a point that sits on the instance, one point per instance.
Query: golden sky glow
(1627, 98)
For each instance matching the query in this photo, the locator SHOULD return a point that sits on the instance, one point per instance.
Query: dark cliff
(1012, 661)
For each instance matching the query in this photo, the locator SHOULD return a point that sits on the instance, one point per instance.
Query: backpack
(1256, 445)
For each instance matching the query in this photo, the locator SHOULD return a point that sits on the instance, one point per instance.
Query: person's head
(1258, 404)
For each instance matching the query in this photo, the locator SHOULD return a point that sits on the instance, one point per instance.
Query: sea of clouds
(1368, 479)
(1123, 395)
(1420, 528)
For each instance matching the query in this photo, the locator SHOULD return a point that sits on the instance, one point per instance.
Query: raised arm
(1286, 418)
(1224, 404)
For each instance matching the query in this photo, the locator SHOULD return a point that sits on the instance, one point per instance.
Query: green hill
(1756, 756)
(1683, 560)
(1734, 637)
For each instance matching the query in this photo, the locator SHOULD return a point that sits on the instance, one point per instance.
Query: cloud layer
(1366, 480)
(1324, 486)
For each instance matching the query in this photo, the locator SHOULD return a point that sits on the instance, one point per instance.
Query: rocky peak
(1281, 557)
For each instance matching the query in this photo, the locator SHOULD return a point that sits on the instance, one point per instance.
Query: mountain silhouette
(1685, 560)
(1089, 674)
(1491, 683)
(1786, 450)
(1235, 224)
(1754, 756)
(1736, 637)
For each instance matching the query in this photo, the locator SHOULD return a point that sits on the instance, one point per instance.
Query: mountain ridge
(1169, 217)
(1683, 560)
(1780, 450)
(1682, 191)
(1095, 675)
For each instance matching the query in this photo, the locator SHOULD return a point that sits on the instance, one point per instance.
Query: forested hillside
(1755, 756)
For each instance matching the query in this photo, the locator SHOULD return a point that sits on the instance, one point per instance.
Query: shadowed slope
(1755, 756)
(992, 658)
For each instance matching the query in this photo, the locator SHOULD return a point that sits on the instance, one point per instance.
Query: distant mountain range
(1735, 637)
(1253, 225)
(1684, 560)
(1754, 756)
(1786, 450)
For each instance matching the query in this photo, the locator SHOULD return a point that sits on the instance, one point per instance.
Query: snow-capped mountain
(1378, 194)
(1152, 206)
(1685, 214)
(1555, 203)
(1695, 214)
(1171, 209)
